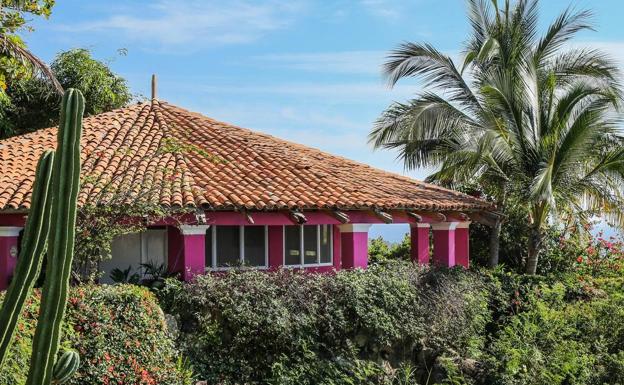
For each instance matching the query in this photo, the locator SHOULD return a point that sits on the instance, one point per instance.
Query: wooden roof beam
(414, 216)
(248, 216)
(485, 218)
(384, 216)
(341, 216)
(298, 217)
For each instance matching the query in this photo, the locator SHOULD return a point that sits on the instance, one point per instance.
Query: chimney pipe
(153, 86)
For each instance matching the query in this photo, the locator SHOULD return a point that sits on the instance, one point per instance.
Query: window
(132, 250)
(308, 245)
(231, 246)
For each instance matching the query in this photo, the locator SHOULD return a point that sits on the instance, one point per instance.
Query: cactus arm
(65, 186)
(31, 253)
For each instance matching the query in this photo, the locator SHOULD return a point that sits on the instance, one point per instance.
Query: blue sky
(303, 70)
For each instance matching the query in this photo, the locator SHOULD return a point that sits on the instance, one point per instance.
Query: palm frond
(12, 48)
(565, 26)
(436, 69)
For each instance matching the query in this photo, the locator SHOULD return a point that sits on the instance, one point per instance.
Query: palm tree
(13, 47)
(524, 115)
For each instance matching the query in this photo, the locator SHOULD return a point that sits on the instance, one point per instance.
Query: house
(256, 200)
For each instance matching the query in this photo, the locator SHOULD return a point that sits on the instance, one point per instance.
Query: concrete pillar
(187, 250)
(354, 245)
(419, 235)
(9, 237)
(462, 244)
(444, 252)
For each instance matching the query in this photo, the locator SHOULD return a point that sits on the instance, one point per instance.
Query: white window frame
(241, 242)
(318, 247)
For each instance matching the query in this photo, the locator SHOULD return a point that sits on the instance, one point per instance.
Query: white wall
(134, 249)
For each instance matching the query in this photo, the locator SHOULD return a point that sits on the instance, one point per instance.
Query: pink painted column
(419, 236)
(354, 245)
(276, 246)
(175, 250)
(462, 244)
(444, 252)
(187, 250)
(337, 248)
(8, 253)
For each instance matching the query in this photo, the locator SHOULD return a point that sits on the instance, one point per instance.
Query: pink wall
(276, 246)
(175, 250)
(337, 239)
(194, 255)
(186, 253)
(354, 250)
(8, 246)
(444, 247)
(18, 220)
(276, 218)
(419, 236)
(462, 250)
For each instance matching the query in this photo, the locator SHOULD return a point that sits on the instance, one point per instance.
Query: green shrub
(561, 331)
(119, 332)
(380, 250)
(343, 328)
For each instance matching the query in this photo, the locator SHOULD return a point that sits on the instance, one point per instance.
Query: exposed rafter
(248, 216)
(486, 218)
(384, 216)
(298, 217)
(414, 216)
(341, 216)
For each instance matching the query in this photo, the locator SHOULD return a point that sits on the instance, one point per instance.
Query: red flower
(579, 259)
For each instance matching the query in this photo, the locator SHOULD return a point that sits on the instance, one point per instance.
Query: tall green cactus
(31, 253)
(65, 186)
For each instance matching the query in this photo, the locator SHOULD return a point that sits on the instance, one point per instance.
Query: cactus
(64, 192)
(65, 367)
(31, 254)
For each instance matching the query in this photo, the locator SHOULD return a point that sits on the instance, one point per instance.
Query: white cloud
(345, 62)
(190, 25)
(348, 93)
(385, 9)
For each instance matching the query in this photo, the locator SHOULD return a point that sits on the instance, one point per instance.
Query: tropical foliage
(524, 115)
(15, 59)
(119, 331)
(31, 106)
(399, 324)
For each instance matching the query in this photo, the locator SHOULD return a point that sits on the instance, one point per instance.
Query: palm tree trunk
(495, 243)
(535, 241)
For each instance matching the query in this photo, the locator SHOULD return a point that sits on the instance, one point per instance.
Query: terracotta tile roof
(162, 153)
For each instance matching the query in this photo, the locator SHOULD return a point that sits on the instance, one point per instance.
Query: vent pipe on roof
(153, 86)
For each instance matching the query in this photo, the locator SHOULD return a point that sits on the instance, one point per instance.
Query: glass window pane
(209, 247)
(228, 246)
(254, 246)
(292, 245)
(310, 244)
(326, 236)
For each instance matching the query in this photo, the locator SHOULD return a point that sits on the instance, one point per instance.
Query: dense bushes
(292, 328)
(119, 332)
(399, 324)
(563, 332)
